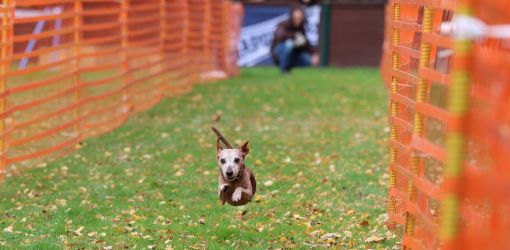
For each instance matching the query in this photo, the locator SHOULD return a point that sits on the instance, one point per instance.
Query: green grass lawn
(318, 149)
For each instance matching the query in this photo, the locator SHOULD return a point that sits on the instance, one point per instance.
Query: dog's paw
(224, 187)
(237, 195)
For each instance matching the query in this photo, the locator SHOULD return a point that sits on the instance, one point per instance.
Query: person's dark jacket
(285, 30)
(308, 3)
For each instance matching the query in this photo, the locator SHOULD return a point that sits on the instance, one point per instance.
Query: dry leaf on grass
(287, 160)
(364, 223)
(330, 236)
(8, 229)
(374, 239)
(201, 221)
(314, 233)
(77, 232)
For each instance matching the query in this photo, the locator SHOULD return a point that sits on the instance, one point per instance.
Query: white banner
(26, 13)
(255, 40)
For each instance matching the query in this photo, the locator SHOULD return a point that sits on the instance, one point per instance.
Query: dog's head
(231, 161)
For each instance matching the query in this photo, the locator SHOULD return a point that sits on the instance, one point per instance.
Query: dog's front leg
(238, 194)
(223, 188)
(222, 193)
(223, 185)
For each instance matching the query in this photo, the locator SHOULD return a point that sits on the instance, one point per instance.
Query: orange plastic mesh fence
(72, 69)
(450, 125)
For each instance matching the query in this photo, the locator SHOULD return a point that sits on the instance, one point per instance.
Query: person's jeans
(289, 57)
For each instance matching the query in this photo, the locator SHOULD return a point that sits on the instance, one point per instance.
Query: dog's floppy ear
(244, 149)
(218, 146)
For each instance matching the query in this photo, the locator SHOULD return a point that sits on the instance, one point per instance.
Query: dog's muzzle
(229, 174)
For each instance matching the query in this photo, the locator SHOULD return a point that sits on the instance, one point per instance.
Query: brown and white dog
(237, 183)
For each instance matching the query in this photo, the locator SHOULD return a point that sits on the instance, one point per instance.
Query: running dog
(237, 183)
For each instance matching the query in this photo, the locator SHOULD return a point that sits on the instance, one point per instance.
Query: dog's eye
(237, 160)
(222, 161)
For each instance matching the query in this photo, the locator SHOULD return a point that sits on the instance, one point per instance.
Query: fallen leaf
(260, 227)
(314, 233)
(258, 198)
(216, 117)
(364, 223)
(332, 168)
(330, 236)
(374, 239)
(120, 229)
(240, 214)
(298, 217)
(347, 234)
(8, 229)
(287, 160)
(77, 232)
(61, 202)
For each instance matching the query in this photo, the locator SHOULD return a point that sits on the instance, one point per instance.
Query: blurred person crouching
(290, 47)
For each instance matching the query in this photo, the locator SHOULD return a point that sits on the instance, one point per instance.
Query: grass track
(318, 151)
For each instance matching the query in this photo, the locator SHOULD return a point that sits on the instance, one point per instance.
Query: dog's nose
(229, 173)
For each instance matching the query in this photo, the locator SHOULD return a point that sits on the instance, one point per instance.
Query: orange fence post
(162, 38)
(395, 64)
(421, 94)
(189, 66)
(221, 56)
(7, 31)
(77, 40)
(206, 33)
(456, 138)
(124, 33)
(225, 7)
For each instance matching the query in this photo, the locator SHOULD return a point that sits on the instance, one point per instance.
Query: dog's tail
(221, 137)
